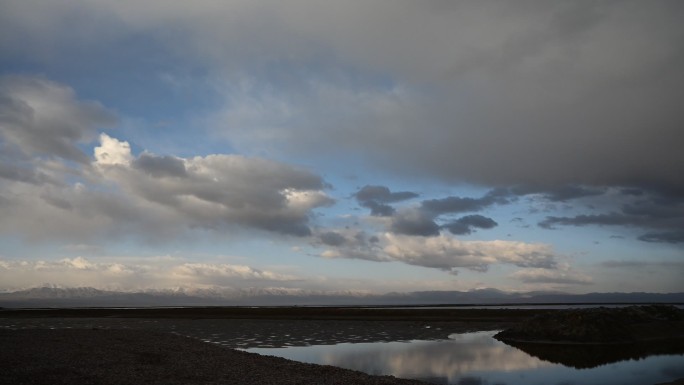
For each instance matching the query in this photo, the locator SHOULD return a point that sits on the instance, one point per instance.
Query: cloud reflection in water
(463, 353)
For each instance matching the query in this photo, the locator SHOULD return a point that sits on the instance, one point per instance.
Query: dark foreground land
(627, 325)
(134, 346)
(80, 356)
(290, 313)
(149, 345)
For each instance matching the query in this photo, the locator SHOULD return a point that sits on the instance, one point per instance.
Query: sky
(333, 146)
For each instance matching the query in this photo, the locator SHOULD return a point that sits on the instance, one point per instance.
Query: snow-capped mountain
(53, 296)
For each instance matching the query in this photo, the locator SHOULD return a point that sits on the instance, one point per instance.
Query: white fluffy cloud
(112, 151)
(225, 272)
(442, 252)
(448, 253)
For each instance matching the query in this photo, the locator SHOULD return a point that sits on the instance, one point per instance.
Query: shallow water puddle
(478, 359)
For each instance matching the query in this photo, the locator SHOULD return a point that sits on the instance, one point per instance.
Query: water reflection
(428, 359)
(439, 361)
(477, 358)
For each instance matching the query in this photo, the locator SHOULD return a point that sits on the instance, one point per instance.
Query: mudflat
(106, 356)
(151, 346)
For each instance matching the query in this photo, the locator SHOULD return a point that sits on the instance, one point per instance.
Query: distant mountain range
(89, 297)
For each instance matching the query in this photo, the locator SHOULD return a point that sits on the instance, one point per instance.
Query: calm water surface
(477, 359)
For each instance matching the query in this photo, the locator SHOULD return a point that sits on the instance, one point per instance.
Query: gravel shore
(96, 356)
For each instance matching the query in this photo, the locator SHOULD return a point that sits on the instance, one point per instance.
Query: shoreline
(280, 313)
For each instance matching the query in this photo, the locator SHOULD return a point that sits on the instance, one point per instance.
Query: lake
(477, 359)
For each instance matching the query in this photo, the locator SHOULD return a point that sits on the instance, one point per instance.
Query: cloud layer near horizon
(154, 274)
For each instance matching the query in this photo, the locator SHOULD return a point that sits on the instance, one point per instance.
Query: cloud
(564, 276)
(160, 166)
(112, 151)
(528, 87)
(569, 192)
(55, 191)
(423, 219)
(561, 193)
(447, 253)
(489, 84)
(224, 273)
(332, 238)
(218, 190)
(377, 198)
(459, 205)
(440, 252)
(583, 220)
(348, 243)
(413, 221)
(160, 273)
(42, 118)
(667, 237)
(662, 216)
(382, 194)
(465, 225)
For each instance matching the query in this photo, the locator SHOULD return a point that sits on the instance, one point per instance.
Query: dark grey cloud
(610, 219)
(160, 166)
(376, 198)
(17, 172)
(43, 118)
(332, 238)
(563, 93)
(460, 205)
(379, 209)
(382, 194)
(665, 237)
(580, 94)
(634, 191)
(347, 243)
(224, 190)
(465, 225)
(424, 220)
(560, 193)
(57, 201)
(414, 222)
(660, 216)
